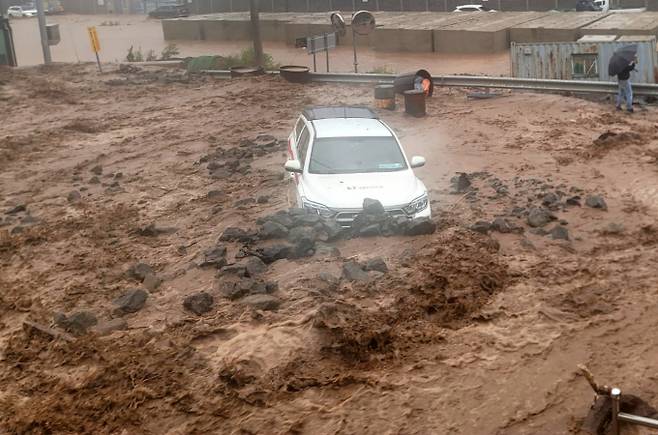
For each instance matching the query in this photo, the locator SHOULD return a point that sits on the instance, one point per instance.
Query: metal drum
(407, 81)
(295, 73)
(414, 103)
(385, 97)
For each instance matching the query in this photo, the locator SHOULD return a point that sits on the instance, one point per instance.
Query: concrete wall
(408, 40)
(213, 6)
(468, 41)
(397, 5)
(188, 30)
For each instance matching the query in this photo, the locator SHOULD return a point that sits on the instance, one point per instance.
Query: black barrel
(385, 97)
(414, 103)
(295, 73)
(405, 82)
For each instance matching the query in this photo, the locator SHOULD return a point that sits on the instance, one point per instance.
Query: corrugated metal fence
(580, 60)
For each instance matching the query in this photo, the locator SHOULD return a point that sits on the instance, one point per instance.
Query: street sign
(316, 44)
(95, 45)
(93, 38)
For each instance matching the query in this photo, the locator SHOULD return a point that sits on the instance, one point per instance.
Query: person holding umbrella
(621, 64)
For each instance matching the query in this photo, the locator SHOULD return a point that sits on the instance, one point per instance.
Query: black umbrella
(621, 59)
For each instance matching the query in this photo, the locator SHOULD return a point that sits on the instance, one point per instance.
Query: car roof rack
(315, 113)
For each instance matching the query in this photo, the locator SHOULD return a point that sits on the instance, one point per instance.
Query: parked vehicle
(587, 6)
(473, 8)
(338, 156)
(53, 7)
(170, 11)
(21, 11)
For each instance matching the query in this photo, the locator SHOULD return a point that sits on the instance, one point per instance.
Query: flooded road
(118, 33)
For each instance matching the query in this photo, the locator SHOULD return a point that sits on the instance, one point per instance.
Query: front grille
(346, 217)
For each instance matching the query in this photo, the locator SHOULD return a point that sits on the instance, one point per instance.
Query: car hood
(347, 191)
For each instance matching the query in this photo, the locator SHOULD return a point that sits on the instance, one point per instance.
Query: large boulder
(273, 230)
(233, 234)
(262, 302)
(198, 303)
(77, 323)
(596, 201)
(373, 207)
(539, 217)
(460, 183)
(376, 264)
(140, 271)
(214, 257)
(131, 302)
(420, 226)
(352, 271)
(270, 254)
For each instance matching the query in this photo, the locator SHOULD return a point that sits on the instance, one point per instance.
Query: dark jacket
(625, 74)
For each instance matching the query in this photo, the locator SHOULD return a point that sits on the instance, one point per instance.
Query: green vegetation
(134, 56)
(247, 57)
(169, 52)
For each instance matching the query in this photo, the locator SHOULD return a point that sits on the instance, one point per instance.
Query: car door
(292, 139)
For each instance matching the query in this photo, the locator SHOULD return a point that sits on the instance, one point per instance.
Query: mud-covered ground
(123, 183)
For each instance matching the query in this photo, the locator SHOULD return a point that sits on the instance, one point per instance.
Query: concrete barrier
(421, 31)
(554, 27)
(181, 29)
(409, 40)
(488, 33)
(645, 23)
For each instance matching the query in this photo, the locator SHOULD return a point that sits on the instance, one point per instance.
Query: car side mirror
(293, 166)
(417, 161)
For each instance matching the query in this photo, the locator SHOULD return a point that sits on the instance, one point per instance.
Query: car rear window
(349, 155)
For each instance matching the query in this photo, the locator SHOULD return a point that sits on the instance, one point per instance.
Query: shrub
(134, 56)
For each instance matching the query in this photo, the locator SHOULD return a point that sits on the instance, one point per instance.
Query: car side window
(302, 145)
(298, 128)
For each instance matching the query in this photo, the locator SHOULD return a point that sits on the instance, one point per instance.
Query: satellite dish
(363, 23)
(338, 23)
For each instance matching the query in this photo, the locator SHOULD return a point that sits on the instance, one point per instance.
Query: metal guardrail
(576, 86)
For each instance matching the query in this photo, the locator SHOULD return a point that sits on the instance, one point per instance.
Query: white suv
(21, 11)
(338, 156)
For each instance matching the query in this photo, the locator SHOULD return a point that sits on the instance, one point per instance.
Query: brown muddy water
(146, 34)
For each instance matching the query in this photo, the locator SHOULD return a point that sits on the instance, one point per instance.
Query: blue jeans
(625, 92)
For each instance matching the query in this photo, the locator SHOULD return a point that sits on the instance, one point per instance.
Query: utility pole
(42, 30)
(255, 33)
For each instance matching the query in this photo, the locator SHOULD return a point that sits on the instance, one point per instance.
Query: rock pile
(225, 162)
(306, 233)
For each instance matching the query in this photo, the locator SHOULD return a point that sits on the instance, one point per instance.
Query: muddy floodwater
(121, 32)
(152, 279)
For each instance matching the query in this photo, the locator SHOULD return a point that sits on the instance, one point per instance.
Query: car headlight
(317, 208)
(417, 205)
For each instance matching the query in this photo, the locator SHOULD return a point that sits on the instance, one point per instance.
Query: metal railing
(617, 415)
(576, 86)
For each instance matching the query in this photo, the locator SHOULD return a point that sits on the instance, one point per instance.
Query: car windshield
(349, 155)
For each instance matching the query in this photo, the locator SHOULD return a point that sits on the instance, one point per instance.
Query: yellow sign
(93, 37)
